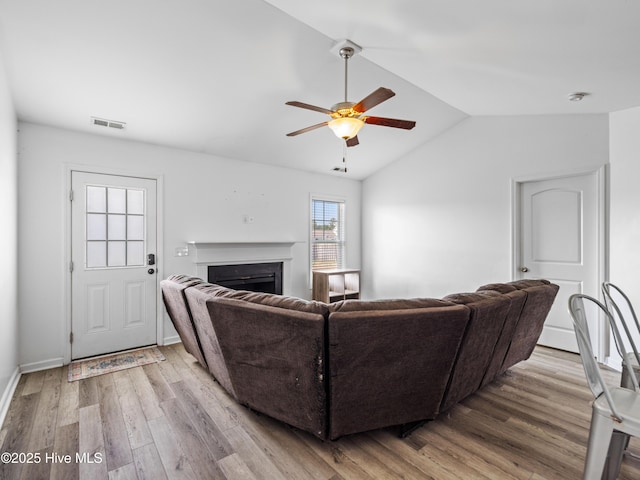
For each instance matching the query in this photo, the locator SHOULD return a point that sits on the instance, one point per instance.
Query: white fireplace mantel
(230, 253)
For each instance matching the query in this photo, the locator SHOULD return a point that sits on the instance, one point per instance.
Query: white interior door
(558, 239)
(113, 280)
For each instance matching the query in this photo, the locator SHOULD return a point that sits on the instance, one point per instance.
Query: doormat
(92, 367)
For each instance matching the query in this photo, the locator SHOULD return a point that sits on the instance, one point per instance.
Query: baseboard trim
(172, 340)
(43, 365)
(7, 395)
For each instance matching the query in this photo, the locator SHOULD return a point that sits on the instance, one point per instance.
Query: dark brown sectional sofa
(351, 366)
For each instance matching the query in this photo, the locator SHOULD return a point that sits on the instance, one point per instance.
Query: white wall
(625, 204)
(439, 220)
(8, 243)
(205, 198)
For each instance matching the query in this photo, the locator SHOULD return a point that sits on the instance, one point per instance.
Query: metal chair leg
(600, 435)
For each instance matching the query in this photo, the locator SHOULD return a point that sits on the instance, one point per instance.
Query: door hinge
(70, 267)
(71, 337)
(71, 195)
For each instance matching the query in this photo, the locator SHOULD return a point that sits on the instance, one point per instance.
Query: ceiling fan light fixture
(346, 127)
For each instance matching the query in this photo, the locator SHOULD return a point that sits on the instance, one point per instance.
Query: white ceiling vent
(103, 122)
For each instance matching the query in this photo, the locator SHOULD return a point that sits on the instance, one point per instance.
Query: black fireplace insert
(256, 277)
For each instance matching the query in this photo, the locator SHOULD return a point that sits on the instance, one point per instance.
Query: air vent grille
(103, 122)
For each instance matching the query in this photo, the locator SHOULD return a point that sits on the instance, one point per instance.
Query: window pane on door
(96, 226)
(135, 202)
(117, 227)
(117, 254)
(135, 253)
(135, 227)
(117, 200)
(96, 254)
(96, 199)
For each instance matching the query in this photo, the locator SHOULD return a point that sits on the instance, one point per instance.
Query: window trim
(334, 199)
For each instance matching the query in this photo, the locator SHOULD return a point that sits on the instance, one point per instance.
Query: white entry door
(113, 280)
(558, 239)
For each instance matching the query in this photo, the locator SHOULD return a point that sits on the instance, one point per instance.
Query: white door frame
(601, 173)
(67, 169)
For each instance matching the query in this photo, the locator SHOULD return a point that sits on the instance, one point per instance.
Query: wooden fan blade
(390, 122)
(352, 142)
(310, 107)
(373, 99)
(307, 129)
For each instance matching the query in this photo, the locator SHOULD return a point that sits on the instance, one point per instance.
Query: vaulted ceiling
(213, 75)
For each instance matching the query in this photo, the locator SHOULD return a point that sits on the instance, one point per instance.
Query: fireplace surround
(207, 254)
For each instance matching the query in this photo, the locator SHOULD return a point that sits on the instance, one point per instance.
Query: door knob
(524, 269)
(151, 271)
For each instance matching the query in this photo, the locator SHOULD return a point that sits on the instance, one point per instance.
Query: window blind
(327, 234)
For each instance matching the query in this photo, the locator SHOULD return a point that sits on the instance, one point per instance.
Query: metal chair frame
(614, 409)
(616, 313)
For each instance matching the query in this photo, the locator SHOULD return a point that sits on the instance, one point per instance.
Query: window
(327, 234)
(115, 227)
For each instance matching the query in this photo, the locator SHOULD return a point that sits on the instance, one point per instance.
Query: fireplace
(256, 277)
(225, 254)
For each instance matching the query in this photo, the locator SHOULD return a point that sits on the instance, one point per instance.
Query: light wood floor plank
(148, 463)
(88, 392)
(235, 469)
(66, 446)
(44, 426)
(252, 455)
(125, 472)
(216, 442)
(149, 402)
(69, 400)
(116, 440)
(175, 462)
(192, 444)
(20, 423)
(134, 419)
(34, 382)
(159, 384)
(91, 443)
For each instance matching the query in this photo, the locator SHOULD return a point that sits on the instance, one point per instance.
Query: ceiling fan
(347, 118)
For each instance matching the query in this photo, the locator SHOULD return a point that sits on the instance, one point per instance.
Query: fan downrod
(346, 53)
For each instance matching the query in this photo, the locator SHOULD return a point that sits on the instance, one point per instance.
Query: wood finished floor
(172, 421)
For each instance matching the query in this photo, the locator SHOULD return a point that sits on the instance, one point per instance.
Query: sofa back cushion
(489, 311)
(175, 301)
(384, 305)
(540, 295)
(275, 358)
(390, 365)
(269, 299)
(518, 298)
(197, 298)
